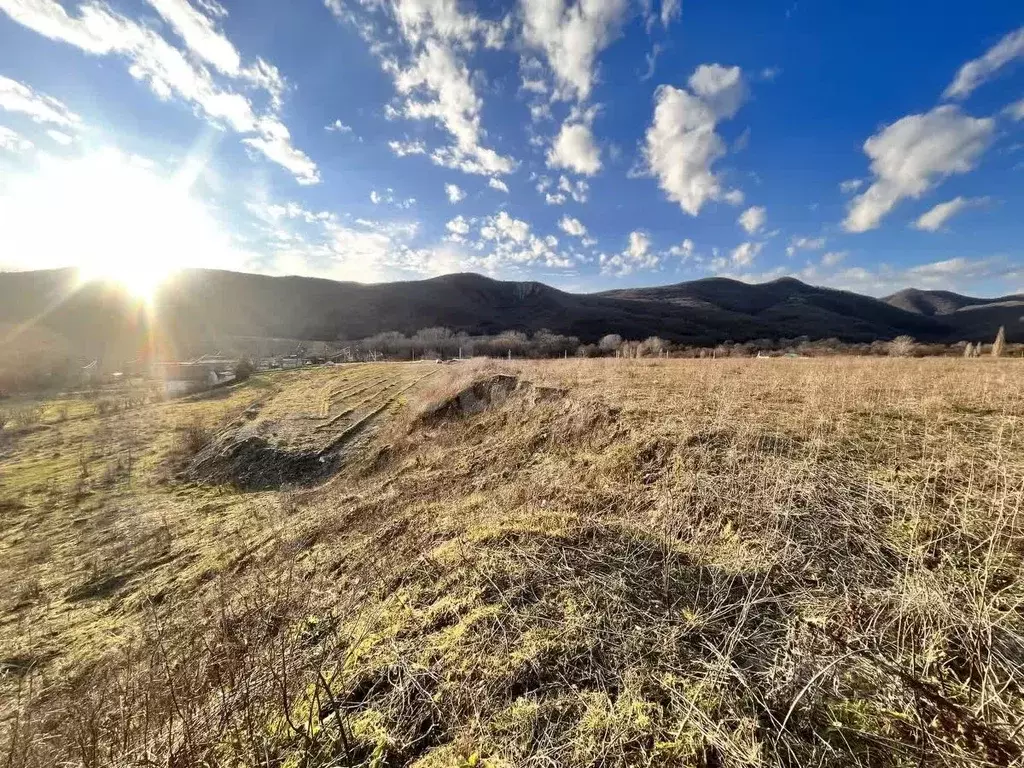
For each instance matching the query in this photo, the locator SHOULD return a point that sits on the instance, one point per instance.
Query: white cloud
(169, 72)
(388, 197)
(404, 148)
(574, 149)
(975, 72)
(744, 254)
(753, 219)
(498, 184)
(338, 127)
(12, 141)
(960, 274)
(804, 244)
(60, 137)
(684, 250)
(572, 226)
(1016, 110)
(275, 142)
(577, 190)
(912, 155)
(454, 193)
(571, 35)
(721, 88)
(200, 35)
(458, 226)
(681, 143)
(507, 243)
(438, 86)
(936, 218)
(833, 258)
(638, 255)
(850, 185)
(427, 61)
(671, 10)
(18, 97)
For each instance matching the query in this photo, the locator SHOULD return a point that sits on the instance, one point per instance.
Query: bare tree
(652, 346)
(902, 346)
(610, 343)
(999, 345)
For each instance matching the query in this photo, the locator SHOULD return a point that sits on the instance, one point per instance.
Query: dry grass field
(780, 562)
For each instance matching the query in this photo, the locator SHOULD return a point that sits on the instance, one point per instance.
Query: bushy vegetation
(443, 343)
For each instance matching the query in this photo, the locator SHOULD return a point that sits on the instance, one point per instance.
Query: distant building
(195, 376)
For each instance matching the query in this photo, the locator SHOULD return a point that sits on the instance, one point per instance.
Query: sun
(115, 217)
(140, 279)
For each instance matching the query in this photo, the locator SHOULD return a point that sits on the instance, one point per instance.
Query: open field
(98, 522)
(715, 563)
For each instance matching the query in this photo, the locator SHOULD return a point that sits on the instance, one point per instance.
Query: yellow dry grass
(719, 563)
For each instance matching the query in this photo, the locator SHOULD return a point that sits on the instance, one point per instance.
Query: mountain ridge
(198, 308)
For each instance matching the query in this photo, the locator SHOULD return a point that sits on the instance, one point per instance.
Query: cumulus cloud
(833, 258)
(18, 97)
(936, 218)
(458, 226)
(454, 193)
(721, 88)
(498, 184)
(637, 255)
(1016, 110)
(912, 155)
(565, 189)
(744, 254)
(804, 244)
(571, 35)
(509, 243)
(12, 141)
(978, 71)
(338, 127)
(169, 72)
(438, 86)
(850, 185)
(405, 148)
(574, 149)
(684, 250)
(960, 274)
(572, 226)
(427, 61)
(753, 219)
(681, 145)
(388, 197)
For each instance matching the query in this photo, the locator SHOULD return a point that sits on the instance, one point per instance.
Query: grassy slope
(759, 562)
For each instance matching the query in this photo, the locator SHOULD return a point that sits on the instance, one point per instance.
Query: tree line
(444, 344)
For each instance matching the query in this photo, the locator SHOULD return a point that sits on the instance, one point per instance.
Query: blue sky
(589, 145)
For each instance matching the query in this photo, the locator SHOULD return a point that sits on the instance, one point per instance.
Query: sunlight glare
(112, 216)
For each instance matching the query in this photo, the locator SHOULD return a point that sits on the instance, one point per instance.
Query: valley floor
(599, 562)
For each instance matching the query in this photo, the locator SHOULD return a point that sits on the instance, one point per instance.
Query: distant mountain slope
(968, 317)
(794, 307)
(200, 309)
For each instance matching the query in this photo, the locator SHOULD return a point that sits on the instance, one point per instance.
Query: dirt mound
(485, 393)
(476, 397)
(253, 464)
